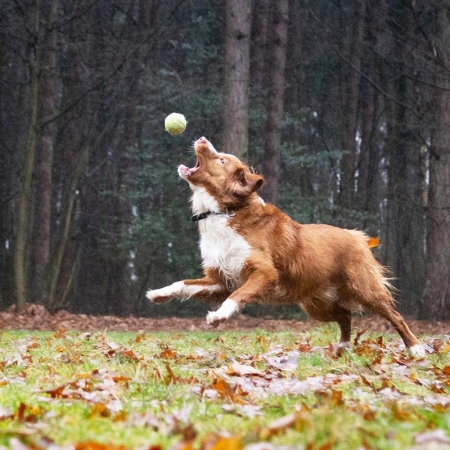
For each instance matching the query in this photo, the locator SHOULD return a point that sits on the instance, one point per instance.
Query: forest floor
(35, 317)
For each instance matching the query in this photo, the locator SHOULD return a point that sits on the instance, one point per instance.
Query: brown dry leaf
(437, 387)
(334, 396)
(386, 383)
(445, 348)
(60, 333)
(327, 446)
(215, 442)
(244, 370)
(57, 393)
(400, 413)
(32, 344)
(225, 391)
(304, 347)
(99, 409)
(403, 361)
(440, 408)
(277, 426)
(263, 342)
(368, 413)
(373, 242)
(130, 355)
(120, 378)
(366, 381)
(377, 359)
(171, 378)
(119, 417)
(23, 413)
(168, 354)
(91, 445)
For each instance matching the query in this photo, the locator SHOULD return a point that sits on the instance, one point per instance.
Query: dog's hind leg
(367, 287)
(344, 319)
(328, 310)
(384, 308)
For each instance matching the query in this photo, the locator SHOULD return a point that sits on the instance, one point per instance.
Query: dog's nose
(202, 140)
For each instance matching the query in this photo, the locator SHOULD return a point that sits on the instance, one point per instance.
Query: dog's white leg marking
(417, 351)
(346, 345)
(227, 309)
(165, 293)
(181, 290)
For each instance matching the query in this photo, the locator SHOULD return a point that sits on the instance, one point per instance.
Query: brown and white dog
(252, 252)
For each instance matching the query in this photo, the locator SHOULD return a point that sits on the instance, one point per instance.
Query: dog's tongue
(189, 171)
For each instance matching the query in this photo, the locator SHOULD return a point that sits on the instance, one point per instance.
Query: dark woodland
(342, 105)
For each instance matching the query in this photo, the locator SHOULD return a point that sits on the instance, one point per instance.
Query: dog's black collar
(204, 215)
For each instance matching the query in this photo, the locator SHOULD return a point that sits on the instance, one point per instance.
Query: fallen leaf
(99, 409)
(244, 370)
(434, 436)
(215, 442)
(168, 354)
(90, 445)
(225, 391)
(263, 342)
(171, 378)
(400, 413)
(373, 242)
(277, 426)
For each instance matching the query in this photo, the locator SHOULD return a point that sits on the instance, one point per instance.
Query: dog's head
(223, 176)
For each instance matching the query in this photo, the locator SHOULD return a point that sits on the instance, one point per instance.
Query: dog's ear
(245, 183)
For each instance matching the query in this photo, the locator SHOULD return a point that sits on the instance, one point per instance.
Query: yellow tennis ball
(175, 123)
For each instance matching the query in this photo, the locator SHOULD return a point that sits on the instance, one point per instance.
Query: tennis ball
(175, 123)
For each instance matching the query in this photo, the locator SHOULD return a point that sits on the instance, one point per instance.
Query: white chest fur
(224, 249)
(221, 246)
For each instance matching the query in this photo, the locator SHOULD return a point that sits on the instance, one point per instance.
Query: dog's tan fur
(328, 271)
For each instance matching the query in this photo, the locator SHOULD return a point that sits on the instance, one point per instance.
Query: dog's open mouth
(186, 171)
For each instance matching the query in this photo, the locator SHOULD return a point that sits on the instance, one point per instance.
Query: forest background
(343, 105)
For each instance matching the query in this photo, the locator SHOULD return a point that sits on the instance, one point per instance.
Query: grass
(220, 390)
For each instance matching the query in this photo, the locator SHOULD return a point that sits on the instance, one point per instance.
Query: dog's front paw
(214, 319)
(156, 296)
(226, 310)
(417, 351)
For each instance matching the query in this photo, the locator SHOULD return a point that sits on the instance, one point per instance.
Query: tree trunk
(406, 223)
(275, 107)
(436, 303)
(43, 173)
(369, 179)
(369, 160)
(350, 110)
(26, 188)
(237, 74)
(260, 28)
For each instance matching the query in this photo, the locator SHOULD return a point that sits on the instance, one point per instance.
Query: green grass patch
(220, 390)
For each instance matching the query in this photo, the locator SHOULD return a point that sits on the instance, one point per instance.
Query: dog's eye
(222, 160)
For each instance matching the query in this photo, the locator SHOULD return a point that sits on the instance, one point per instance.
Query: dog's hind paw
(417, 351)
(345, 346)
